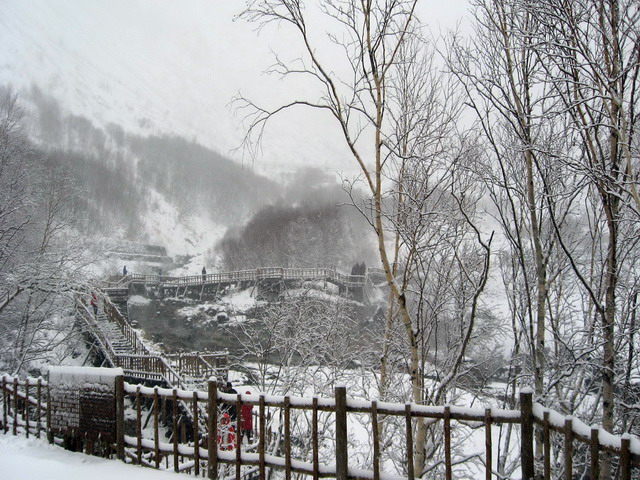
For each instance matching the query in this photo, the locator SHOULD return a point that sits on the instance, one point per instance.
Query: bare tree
(395, 117)
(357, 101)
(304, 345)
(592, 54)
(558, 80)
(40, 262)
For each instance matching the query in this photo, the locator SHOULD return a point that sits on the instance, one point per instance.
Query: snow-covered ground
(33, 459)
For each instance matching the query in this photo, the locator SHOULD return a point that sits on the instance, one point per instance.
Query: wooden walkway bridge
(118, 345)
(267, 280)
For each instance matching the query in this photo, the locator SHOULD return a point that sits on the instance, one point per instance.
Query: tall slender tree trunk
(608, 330)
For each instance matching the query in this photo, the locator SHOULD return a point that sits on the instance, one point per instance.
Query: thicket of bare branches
(553, 152)
(553, 85)
(398, 118)
(40, 264)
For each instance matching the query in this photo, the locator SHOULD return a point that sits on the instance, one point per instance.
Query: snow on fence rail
(214, 447)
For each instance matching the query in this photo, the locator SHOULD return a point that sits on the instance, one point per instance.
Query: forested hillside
(123, 176)
(127, 184)
(307, 235)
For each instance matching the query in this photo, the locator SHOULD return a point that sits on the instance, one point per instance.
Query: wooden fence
(208, 449)
(200, 364)
(24, 406)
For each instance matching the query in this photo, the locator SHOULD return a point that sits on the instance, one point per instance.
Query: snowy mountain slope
(160, 66)
(120, 62)
(164, 190)
(155, 67)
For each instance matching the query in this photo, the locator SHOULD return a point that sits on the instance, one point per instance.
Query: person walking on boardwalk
(94, 303)
(204, 274)
(230, 408)
(124, 271)
(246, 420)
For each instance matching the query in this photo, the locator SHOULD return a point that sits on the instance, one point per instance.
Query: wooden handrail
(103, 341)
(114, 315)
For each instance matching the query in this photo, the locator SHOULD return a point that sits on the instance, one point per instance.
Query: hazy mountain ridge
(174, 192)
(161, 68)
(116, 101)
(144, 188)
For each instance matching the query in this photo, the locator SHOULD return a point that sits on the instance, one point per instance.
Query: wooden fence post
(595, 453)
(120, 417)
(15, 405)
(156, 427)
(5, 405)
(238, 429)
(409, 438)
(48, 414)
(174, 428)
(263, 438)
(568, 448)
(39, 407)
(196, 435)
(26, 406)
(547, 445)
(342, 459)
(212, 417)
(447, 443)
(625, 457)
(488, 447)
(314, 439)
(138, 425)
(287, 438)
(526, 433)
(375, 433)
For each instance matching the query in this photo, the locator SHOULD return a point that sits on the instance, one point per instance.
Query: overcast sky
(172, 65)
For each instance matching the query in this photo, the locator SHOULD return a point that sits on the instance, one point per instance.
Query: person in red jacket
(246, 420)
(226, 434)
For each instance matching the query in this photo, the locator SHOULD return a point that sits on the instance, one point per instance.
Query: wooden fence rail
(216, 447)
(200, 364)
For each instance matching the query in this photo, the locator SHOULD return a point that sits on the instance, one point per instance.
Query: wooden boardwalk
(360, 287)
(254, 275)
(120, 346)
